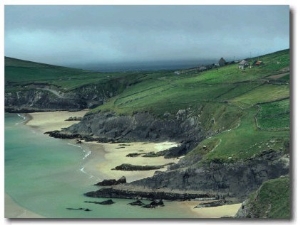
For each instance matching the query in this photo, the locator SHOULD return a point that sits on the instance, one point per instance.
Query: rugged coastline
(39, 121)
(233, 181)
(222, 132)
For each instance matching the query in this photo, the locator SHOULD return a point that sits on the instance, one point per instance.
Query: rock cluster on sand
(110, 182)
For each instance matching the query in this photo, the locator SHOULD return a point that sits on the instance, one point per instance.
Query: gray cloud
(78, 34)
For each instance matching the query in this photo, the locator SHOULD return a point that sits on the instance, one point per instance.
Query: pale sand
(105, 156)
(212, 212)
(50, 121)
(115, 156)
(13, 210)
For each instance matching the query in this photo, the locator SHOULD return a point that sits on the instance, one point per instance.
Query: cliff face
(141, 127)
(44, 97)
(214, 180)
(236, 179)
(229, 179)
(40, 100)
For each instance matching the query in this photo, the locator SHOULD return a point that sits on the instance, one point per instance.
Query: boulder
(110, 182)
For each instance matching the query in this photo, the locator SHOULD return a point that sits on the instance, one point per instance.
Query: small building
(222, 62)
(202, 68)
(243, 64)
(258, 63)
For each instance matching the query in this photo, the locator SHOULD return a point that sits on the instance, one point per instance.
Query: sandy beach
(116, 154)
(212, 212)
(13, 210)
(105, 156)
(50, 121)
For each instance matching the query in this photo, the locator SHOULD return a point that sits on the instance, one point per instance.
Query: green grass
(239, 110)
(261, 94)
(274, 115)
(272, 200)
(244, 141)
(20, 73)
(229, 74)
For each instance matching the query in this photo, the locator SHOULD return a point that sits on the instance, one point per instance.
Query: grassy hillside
(271, 200)
(243, 112)
(19, 73)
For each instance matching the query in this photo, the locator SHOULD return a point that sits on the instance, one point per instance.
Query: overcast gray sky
(65, 35)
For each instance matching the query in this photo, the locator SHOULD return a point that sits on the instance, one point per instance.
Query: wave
(85, 151)
(21, 116)
(83, 171)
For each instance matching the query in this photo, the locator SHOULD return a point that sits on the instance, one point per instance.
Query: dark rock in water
(110, 182)
(83, 209)
(154, 204)
(62, 135)
(107, 202)
(138, 202)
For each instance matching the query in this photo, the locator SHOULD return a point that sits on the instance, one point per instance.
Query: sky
(67, 35)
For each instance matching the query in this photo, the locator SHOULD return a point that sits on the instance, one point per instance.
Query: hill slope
(271, 200)
(232, 124)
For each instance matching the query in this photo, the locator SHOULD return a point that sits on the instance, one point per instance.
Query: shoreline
(14, 210)
(107, 156)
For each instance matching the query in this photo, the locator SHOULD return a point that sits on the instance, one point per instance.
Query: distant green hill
(18, 73)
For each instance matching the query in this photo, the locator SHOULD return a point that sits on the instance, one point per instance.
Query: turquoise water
(45, 176)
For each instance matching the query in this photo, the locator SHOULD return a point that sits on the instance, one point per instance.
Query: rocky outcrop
(106, 202)
(137, 202)
(74, 118)
(33, 97)
(129, 167)
(40, 100)
(231, 179)
(215, 179)
(154, 204)
(111, 182)
(142, 127)
(83, 209)
(129, 192)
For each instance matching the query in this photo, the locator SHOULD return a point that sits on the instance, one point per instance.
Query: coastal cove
(53, 174)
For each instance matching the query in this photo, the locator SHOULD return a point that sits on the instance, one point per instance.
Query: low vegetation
(243, 112)
(272, 200)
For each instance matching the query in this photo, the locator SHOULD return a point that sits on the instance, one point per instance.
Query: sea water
(46, 176)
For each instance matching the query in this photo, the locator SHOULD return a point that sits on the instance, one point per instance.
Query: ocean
(47, 176)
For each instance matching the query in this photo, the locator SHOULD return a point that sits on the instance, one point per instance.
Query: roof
(243, 62)
(258, 63)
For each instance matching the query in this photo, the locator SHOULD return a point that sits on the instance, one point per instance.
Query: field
(243, 112)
